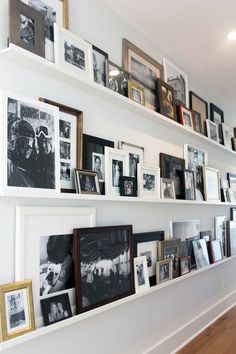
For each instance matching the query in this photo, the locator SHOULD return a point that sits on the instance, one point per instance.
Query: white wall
(137, 326)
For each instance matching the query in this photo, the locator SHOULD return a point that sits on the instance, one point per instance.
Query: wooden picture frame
(166, 100)
(136, 92)
(216, 251)
(199, 105)
(164, 271)
(186, 117)
(217, 116)
(170, 249)
(184, 265)
(86, 182)
(128, 186)
(100, 66)
(211, 181)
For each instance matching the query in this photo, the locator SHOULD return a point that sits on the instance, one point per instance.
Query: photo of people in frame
(17, 313)
(27, 30)
(87, 183)
(149, 182)
(117, 172)
(56, 308)
(74, 56)
(98, 165)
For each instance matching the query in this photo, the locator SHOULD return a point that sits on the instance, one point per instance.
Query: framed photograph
(183, 229)
(167, 188)
(118, 79)
(26, 27)
(189, 182)
(56, 309)
(136, 155)
(143, 69)
(226, 136)
(217, 116)
(16, 310)
(52, 11)
(164, 271)
(166, 99)
(73, 54)
(231, 195)
(233, 142)
(177, 79)
(233, 214)
(216, 251)
(173, 168)
(128, 186)
(185, 265)
(136, 92)
(30, 146)
(186, 117)
(201, 253)
(212, 130)
(232, 181)
(211, 184)
(71, 143)
(116, 166)
(148, 181)
(146, 244)
(224, 195)
(220, 232)
(100, 66)
(141, 278)
(186, 249)
(104, 265)
(170, 249)
(194, 157)
(199, 105)
(231, 238)
(48, 233)
(197, 122)
(86, 182)
(206, 235)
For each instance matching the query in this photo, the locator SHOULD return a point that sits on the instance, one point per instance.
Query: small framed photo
(231, 195)
(189, 182)
(211, 184)
(197, 122)
(232, 181)
(216, 251)
(233, 142)
(56, 309)
(185, 265)
(226, 136)
(17, 310)
(118, 79)
(231, 238)
(148, 181)
(141, 278)
(220, 231)
(217, 116)
(172, 167)
(206, 235)
(170, 249)
(163, 271)
(100, 66)
(233, 214)
(128, 187)
(86, 182)
(167, 188)
(199, 105)
(136, 155)
(166, 99)
(201, 253)
(186, 117)
(136, 92)
(212, 130)
(182, 229)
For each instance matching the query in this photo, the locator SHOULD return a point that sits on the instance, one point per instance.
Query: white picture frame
(226, 136)
(148, 181)
(116, 166)
(194, 157)
(35, 223)
(167, 192)
(28, 121)
(80, 64)
(212, 130)
(141, 278)
(136, 155)
(211, 178)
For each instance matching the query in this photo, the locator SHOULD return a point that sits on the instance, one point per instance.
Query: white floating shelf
(35, 62)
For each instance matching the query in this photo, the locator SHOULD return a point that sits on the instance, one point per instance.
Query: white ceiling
(193, 32)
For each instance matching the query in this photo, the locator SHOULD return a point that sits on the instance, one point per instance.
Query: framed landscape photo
(172, 167)
(166, 100)
(185, 265)
(217, 116)
(56, 309)
(199, 105)
(197, 122)
(211, 184)
(220, 232)
(167, 188)
(141, 278)
(136, 92)
(104, 265)
(86, 182)
(189, 180)
(231, 238)
(118, 79)
(164, 271)
(16, 310)
(212, 130)
(201, 253)
(226, 136)
(136, 155)
(148, 181)
(216, 251)
(128, 186)
(100, 66)
(186, 117)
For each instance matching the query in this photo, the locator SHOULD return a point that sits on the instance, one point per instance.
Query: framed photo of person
(199, 105)
(206, 235)
(189, 180)
(136, 155)
(185, 265)
(186, 117)
(167, 188)
(72, 54)
(118, 79)
(17, 310)
(143, 69)
(164, 271)
(217, 116)
(186, 249)
(56, 309)
(136, 92)
(194, 157)
(197, 122)
(231, 238)
(220, 232)
(26, 27)
(211, 184)
(170, 249)
(201, 253)
(141, 278)
(116, 166)
(166, 100)
(212, 130)
(176, 78)
(128, 186)
(148, 181)
(216, 251)
(86, 182)
(103, 261)
(233, 214)
(226, 136)
(232, 181)
(100, 66)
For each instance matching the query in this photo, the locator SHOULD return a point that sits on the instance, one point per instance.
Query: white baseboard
(183, 335)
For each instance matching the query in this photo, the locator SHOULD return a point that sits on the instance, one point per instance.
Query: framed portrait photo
(128, 186)
(17, 310)
(211, 184)
(118, 79)
(197, 122)
(185, 265)
(166, 99)
(217, 116)
(141, 278)
(148, 181)
(216, 251)
(56, 309)
(186, 117)
(164, 271)
(212, 130)
(104, 265)
(167, 188)
(100, 66)
(199, 105)
(226, 136)
(136, 92)
(201, 253)
(231, 238)
(189, 182)
(86, 182)
(136, 155)
(170, 249)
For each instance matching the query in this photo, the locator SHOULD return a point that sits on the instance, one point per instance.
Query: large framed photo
(26, 27)
(177, 79)
(118, 79)
(201, 253)
(148, 181)
(166, 100)
(183, 229)
(73, 54)
(104, 266)
(86, 182)
(220, 232)
(16, 310)
(164, 271)
(231, 238)
(143, 69)
(141, 274)
(211, 184)
(100, 66)
(48, 233)
(56, 309)
(212, 130)
(199, 105)
(136, 155)
(186, 117)
(136, 92)
(217, 116)
(29, 145)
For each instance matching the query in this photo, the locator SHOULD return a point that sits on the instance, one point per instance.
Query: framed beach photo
(217, 116)
(86, 182)
(100, 66)
(136, 155)
(166, 99)
(118, 79)
(141, 278)
(167, 188)
(128, 186)
(164, 271)
(56, 309)
(199, 105)
(172, 167)
(186, 117)
(211, 184)
(148, 181)
(212, 130)
(136, 92)
(185, 265)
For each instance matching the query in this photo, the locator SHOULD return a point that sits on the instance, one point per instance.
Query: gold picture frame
(136, 92)
(16, 310)
(65, 13)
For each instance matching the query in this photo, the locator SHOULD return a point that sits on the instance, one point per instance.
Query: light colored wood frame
(132, 84)
(65, 13)
(159, 264)
(205, 185)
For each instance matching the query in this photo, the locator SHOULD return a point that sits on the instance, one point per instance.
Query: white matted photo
(182, 229)
(211, 184)
(148, 181)
(141, 274)
(167, 188)
(226, 136)
(212, 130)
(48, 233)
(136, 155)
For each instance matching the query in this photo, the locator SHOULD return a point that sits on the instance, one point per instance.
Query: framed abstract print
(189, 180)
(136, 92)
(167, 188)
(148, 181)
(185, 265)
(216, 251)
(136, 155)
(199, 105)
(86, 182)
(217, 116)
(141, 278)
(170, 249)
(231, 238)
(226, 136)
(118, 79)
(55, 309)
(100, 66)
(220, 232)
(212, 130)
(71, 143)
(104, 265)
(166, 100)
(201, 253)
(128, 186)
(164, 271)
(186, 117)
(211, 184)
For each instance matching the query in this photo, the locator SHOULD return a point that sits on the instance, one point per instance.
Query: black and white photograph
(128, 186)
(98, 165)
(168, 103)
(100, 66)
(64, 129)
(65, 150)
(170, 249)
(16, 303)
(217, 116)
(189, 180)
(141, 274)
(212, 131)
(173, 168)
(164, 271)
(49, 16)
(185, 265)
(118, 79)
(167, 188)
(27, 30)
(133, 162)
(194, 157)
(149, 183)
(201, 253)
(136, 92)
(117, 172)
(87, 183)
(56, 264)
(197, 122)
(148, 255)
(137, 95)
(186, 117)
(136, 155)
(220, 232)
(55, 309)
(65, 171)
(74, 55)
(226, 136)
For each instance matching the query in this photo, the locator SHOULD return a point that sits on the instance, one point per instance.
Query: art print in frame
(118, 79)
(136, 92)
(136, 155)
(216, 251)
(211, 184)
(197, 122)
(201, 253)
(212, 130)
(164, 271)
(141, 278)
(100, 66)
(86, 182)
(190, 193)
(220, 232)
(56, 309)
(199, 105)
(226, 136)
(148, 181)
(176, 78)
(26, 27)
(30, 147)
(16, 310)
(71, 143)
(217, 116)
(170, 249)
(186, 117)
(128, 186)
(104, 266)
(50, 262)
(167, 188)
(185, 265)
(166, 100)
(231, 238)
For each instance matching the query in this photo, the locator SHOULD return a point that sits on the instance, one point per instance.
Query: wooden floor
(219, 338)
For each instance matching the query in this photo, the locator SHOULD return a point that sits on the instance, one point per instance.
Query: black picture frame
(29, 34)
(128, 186)
(199, 105)
(186, 249)
(118, 79)
(214, 109)
(173, 167)
(232, 213)
(166, 106)
(56, 309)
(99, 277)
(189, 185)
(93, 145)
(103, 66)
(231, 177)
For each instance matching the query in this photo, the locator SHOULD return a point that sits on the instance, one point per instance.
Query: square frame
(141, 276)
(159, 276)
(145, 184)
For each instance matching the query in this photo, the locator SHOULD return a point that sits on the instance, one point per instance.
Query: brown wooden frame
(87, 173)
(138, 87)
(166, 244)
(158, 266)
(180, 267)
(65, 13)
(160, 104)
(191, 95)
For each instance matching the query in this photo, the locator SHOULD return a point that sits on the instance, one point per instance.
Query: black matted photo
(128, 187)
(74, 55)
(55, 309)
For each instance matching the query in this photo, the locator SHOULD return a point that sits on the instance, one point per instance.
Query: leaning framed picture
(231, 238)
(29, 146)
(100, 66)
(104, 266)
(201, 253)
(128, 186)
(194, 157)
(71, 143)
(136, 155)
(197, 122)
(232, 181)
(217, 116)
(170, 249)
(199, 105)
(185, 265)
(233, 214)
(211, 184)
(182, 229)
(216, 251)
(163, 271)
(186, 117)
(136, 92)
(48, 233)
(167, 188)
(86, 182)
(189, 183)
(220, 232)
(166, 100)
(148, 181)
(56, 309)
(212, 130)
(118, 79)
(226, 136)
(141, 278)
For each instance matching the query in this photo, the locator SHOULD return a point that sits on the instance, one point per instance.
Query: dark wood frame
(189, 262)
(214, 108)
(191, 95)
(121, 70)
(55, 298)
(232, 210)
(122, 189)
(94, 174)
(16, 8)
(96, 49)
(160, 105)
(194, 114)
(181, 117)
(82, 232)
(166, 244)
(192, 173)
(203, 234)
(132, 84)
(229, 236)
(212, 254)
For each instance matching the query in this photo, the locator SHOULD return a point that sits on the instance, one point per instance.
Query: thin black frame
(229, 176)
(122, 189)
(166, 159)
(56, 299)
(96, 49)
(214, 108)
(194, 191)
(191, 94)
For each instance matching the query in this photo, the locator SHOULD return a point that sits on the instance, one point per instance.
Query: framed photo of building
(17, 310)
(167, 188)
(217, 116)
(216, 251)
(170, 249)
(185, 265)
(141, 278)
(164, 271)
(104, 262)
(201, 253)
(100, 66)
(231, 238)
(186, 117)
(199, 105)
(148, 181)
(136, 92)
(86, 182)
(118, 79)
(136, 155)
(166, 99)
(212, 130)
(211, 184)
(128, 186)
(55, 309)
